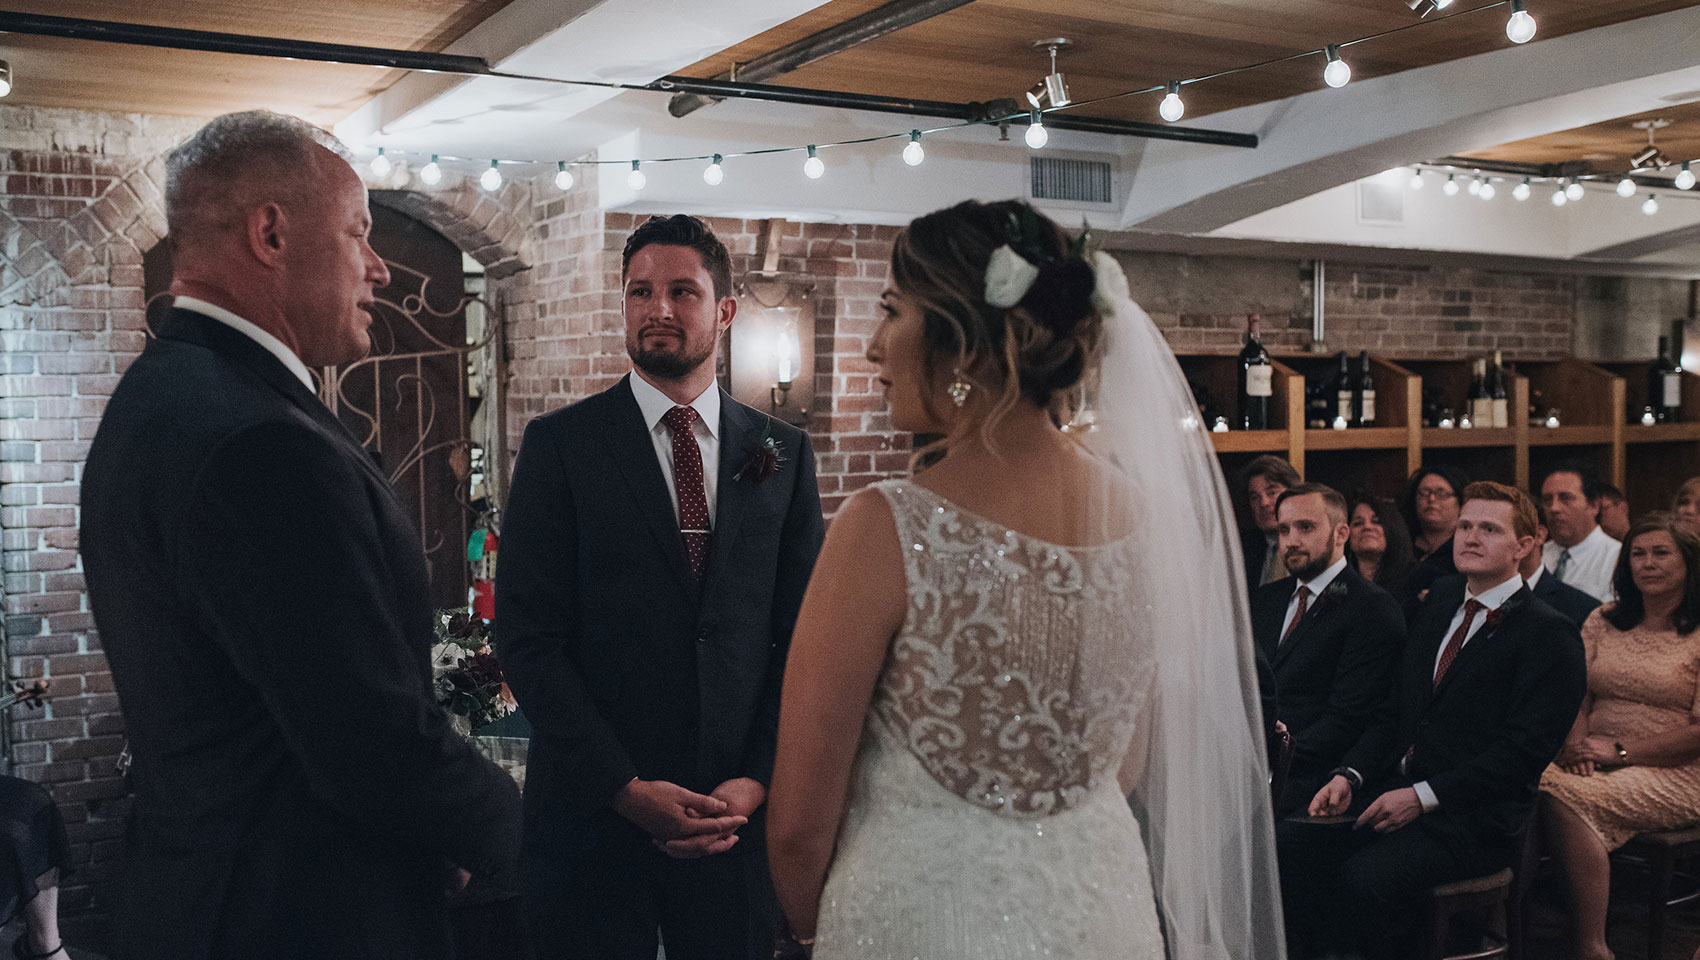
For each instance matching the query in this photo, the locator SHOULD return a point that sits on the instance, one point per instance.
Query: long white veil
(1203, 797)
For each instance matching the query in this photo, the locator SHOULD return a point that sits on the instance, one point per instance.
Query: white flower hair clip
(1009, 276)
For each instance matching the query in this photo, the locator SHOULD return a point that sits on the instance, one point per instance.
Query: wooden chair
(1660, 852)
(1482, 897)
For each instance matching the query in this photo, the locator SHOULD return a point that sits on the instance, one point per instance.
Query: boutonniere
(1494, 616)
(763, 459)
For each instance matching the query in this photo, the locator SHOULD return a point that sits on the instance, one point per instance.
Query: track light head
(1422, 8)
(1645, 157)
(1052, 89)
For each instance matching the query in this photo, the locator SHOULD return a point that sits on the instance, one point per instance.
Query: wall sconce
(766, 363)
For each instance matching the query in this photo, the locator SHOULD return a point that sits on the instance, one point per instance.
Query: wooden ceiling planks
(85, 75)
(1608, 145)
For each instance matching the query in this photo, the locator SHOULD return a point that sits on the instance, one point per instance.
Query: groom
(657, 542)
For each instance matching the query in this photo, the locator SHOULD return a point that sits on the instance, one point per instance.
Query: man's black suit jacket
(1566, 599)
(261, 596)
(624, 665)
(1254, 548)
(1483, 736)
(1334, 672)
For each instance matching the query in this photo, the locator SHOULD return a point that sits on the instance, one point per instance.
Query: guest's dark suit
(1331, 674)
(261, 596)
(1566, 599)
(1255, 548)
(627, 667)
(1480, 739)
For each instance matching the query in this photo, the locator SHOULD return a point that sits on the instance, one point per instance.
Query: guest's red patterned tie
(1298, 613)
(688, 480)
(1471, 608)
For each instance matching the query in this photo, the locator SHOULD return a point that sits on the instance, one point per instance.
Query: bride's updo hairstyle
(1036, 350)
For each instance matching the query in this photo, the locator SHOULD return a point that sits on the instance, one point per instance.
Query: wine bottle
(1342, 389)
(1257, 378)
(1496, 393)
(1478, 406)
(1366, 393)
(1319, 405)
(1671, 369)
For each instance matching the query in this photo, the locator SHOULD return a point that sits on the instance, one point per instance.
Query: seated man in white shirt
(1445, 777)
(1580, 553)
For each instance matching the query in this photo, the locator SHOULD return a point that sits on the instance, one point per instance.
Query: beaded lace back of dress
(1019, 670)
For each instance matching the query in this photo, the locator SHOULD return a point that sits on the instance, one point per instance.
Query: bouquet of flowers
(466, 674)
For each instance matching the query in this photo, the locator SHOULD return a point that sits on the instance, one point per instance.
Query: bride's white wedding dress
(984, 820)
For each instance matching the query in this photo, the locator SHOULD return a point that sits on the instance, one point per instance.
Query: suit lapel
(1483, 639)
(1319, 608)
(633, 450)
(738, 434)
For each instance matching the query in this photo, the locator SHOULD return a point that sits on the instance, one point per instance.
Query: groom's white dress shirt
(654, 405)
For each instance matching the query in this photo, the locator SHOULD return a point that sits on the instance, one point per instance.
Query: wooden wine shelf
(1662, 433)
(1363, 438)
(1455, 437)
(1577, 436)
(1252, 441)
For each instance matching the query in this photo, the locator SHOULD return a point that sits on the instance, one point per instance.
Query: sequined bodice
(1016, 676)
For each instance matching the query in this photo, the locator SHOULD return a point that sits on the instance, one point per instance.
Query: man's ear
(264, 233)
(726, 309)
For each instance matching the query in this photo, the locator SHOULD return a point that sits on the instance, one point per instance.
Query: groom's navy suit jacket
(624, 664)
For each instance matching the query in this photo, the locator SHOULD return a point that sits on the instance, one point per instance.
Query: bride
(995, 654)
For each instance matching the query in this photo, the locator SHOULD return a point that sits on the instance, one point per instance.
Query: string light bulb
(813, 168)
(1559, 197)
(713, 174)
(1416, 180)
(1574, 191)
(491, 179)
(563, 176)
(1685, 179)
(1626, 187)
(381, 165)
(1475, 187)
(5, 78)
(1521, 27)
(431, 174)
(1521, 191)
(1172, 109)
(1651, 206)
(1037, 136)
(1338, 71)
(1487, 191)
(1450, 188)
(913, 152)
(636, 180)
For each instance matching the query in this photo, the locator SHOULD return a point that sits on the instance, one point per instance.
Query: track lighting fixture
(1423, 8)
(1649, 156)
(1053, 89)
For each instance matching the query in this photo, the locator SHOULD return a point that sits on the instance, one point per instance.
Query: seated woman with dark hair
(32, 852)
(1632, 762)
(1429, 506)
(1380, 544)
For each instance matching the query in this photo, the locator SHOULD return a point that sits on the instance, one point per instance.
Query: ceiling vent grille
(1072, 180)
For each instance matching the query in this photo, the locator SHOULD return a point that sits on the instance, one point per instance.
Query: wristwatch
(1352, 776)
(1622, 754)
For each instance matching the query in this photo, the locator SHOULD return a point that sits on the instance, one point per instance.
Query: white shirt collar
(1323, 579)
(273, 345)
(654, 404)
(1492, 597)
(1534, 578)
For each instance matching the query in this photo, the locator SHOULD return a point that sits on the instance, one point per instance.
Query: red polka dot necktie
(688, 481)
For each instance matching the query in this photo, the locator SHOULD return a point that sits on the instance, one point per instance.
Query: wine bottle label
(1260, 380)
(1369, 406)
(1343, 404)
(1673, 389)
(1501, 412)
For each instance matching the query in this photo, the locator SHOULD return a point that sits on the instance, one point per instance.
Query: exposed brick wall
(1201, 304)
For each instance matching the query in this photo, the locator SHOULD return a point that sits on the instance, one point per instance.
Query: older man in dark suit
(1331, 636)
(658, 540)
(1489, 686)
(262, 596)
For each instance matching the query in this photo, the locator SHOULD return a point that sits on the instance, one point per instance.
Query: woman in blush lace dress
(993, 655)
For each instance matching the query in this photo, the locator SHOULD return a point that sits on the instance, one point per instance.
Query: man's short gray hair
(236, 160)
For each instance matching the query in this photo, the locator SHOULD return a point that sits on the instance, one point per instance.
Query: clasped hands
(1582, 757)
(1389, 812)
(687, 825)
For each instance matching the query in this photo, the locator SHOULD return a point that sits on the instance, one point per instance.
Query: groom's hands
(742, 796)
(667, 811)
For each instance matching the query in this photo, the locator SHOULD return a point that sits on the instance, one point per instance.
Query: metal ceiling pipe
(878, 22)
(997, 110)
